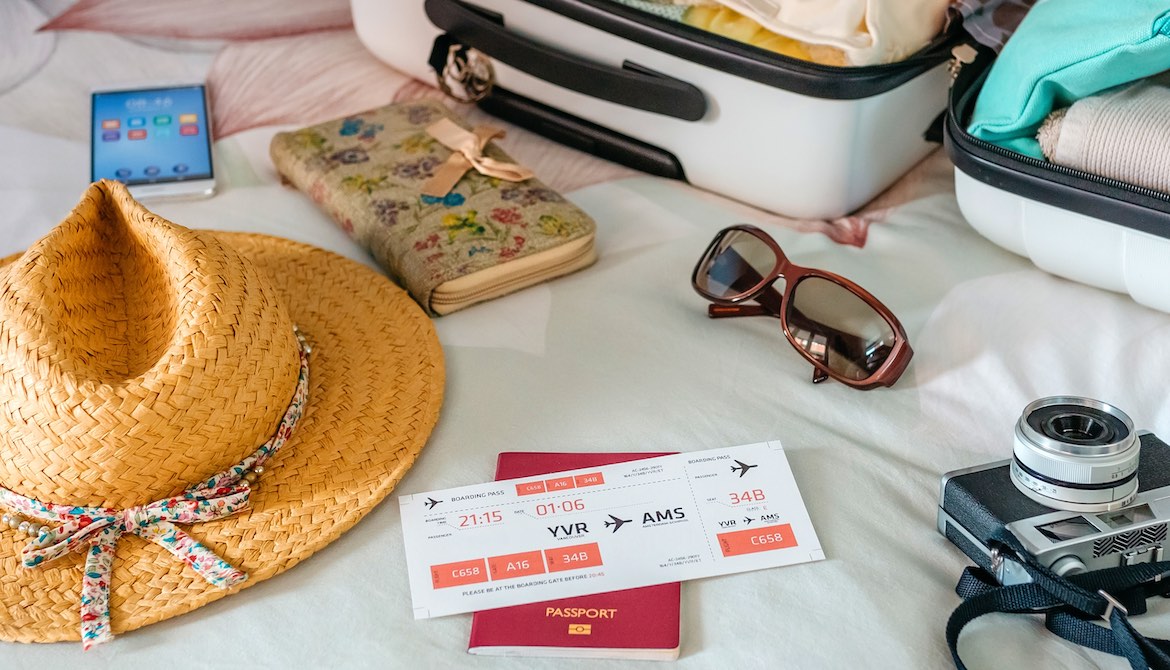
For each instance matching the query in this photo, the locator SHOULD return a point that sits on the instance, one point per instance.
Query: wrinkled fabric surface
(622, 357)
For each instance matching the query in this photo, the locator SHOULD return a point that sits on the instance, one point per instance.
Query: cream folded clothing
(1121, 134)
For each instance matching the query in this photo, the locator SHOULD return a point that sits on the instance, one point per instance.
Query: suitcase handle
(631, 85)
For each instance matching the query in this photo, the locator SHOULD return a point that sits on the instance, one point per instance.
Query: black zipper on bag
(749, 62)
(1100, 197)
(1065, 170)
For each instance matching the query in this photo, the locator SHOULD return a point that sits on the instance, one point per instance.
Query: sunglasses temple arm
(728, 311)
(769, 301)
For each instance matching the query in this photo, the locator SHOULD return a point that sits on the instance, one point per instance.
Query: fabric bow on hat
(468, 146)
(100, 528)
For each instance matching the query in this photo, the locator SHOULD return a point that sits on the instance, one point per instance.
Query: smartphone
(156, 140)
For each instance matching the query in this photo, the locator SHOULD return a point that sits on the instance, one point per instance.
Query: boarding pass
(645, 522)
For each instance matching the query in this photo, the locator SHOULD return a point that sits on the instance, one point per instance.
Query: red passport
(634, 623)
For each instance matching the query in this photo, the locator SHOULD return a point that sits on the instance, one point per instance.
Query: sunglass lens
(736, 263)
(838, 328)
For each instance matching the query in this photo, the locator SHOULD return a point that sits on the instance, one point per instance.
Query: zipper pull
(962, 54)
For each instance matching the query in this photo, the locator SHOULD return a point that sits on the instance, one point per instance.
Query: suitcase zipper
(1064, 170)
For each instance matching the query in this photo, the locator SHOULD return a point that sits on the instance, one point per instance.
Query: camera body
(975, 502)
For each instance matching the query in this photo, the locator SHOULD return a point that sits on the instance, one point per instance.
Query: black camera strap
(1070, 605)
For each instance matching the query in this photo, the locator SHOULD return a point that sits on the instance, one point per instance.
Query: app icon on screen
(162, 133)
(151, 171)
(181, 168)
(122, 173)
(136, 134)
(110, 135)
(111, 124)
(189, 129)
(136, 121)
(162, 120)
(188, 118)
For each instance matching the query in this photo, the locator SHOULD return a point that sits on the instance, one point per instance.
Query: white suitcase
(1090, 229)
(792, 137)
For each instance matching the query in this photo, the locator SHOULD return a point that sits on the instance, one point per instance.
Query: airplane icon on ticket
(616, 523)
(431, 502)
(742, 469)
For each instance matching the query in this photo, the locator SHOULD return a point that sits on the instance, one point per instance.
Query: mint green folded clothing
(1065, 50)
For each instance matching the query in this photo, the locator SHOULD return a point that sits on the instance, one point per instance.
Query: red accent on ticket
(522, 564)
(574, 557)
(590, 479)
(458, 573)
(559, 484)
(754, 540)
(529, 488)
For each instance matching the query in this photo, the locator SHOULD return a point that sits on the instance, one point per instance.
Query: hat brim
(376, 385)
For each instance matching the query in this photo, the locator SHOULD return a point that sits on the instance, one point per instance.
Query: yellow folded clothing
(829, 32)
(710, 16)
(869, 32)
(733, 25)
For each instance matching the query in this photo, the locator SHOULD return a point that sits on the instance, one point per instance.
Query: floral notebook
(484, 237)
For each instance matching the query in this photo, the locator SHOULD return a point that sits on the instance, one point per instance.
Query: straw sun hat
(150, 375)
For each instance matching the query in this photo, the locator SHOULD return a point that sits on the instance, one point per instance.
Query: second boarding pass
(639, 523)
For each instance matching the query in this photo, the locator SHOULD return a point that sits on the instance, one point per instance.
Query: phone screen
(151, 136)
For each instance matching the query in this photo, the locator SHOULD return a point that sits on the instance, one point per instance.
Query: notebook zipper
(512, 280)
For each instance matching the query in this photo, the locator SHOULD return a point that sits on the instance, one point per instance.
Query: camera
(1075, 493)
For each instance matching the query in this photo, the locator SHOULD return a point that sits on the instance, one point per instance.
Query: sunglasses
(846, 333)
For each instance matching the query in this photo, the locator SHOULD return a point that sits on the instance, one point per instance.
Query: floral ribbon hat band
(153, 377)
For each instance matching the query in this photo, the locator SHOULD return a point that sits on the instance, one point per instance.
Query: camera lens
(1076, 454)
(1077, 428)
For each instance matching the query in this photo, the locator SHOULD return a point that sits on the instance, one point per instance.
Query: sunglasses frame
(792, 274)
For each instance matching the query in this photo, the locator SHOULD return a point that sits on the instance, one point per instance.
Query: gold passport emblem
(580, 629)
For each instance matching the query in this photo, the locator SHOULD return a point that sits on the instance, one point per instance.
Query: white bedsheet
(622, 357)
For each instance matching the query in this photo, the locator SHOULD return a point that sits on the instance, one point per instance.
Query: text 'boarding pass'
(639, 523)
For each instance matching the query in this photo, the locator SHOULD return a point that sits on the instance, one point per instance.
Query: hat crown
(137, 358)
